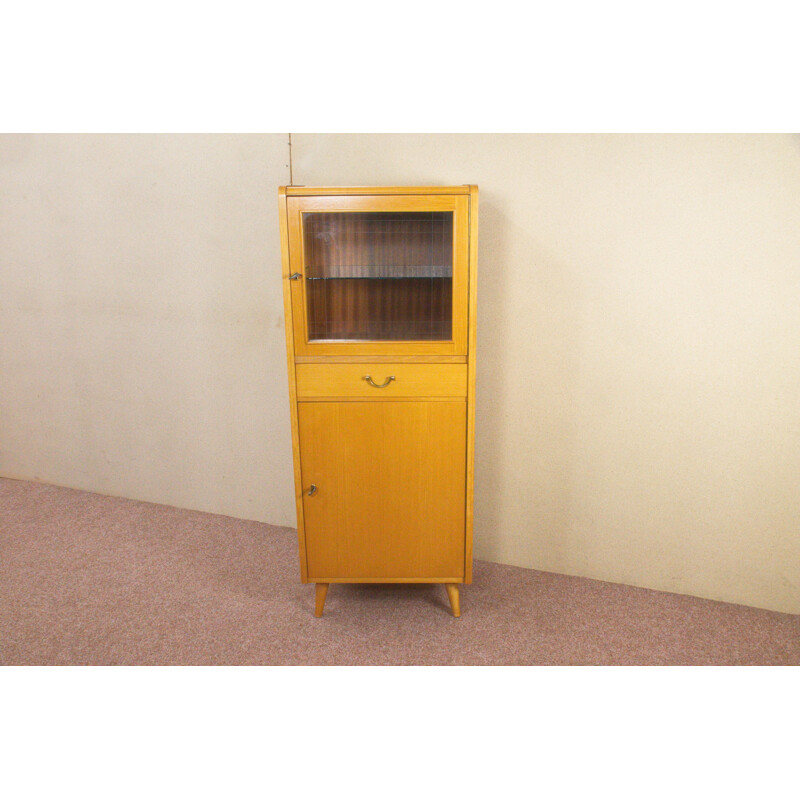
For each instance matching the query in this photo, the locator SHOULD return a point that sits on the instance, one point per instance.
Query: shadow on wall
(527, 369)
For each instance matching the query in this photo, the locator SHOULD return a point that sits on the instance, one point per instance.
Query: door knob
(313, 490)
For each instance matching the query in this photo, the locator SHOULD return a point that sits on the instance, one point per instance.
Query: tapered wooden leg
(455, 602)
(322, 591)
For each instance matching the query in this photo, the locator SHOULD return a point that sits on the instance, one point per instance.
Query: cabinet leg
(455, 602)
(322, 591)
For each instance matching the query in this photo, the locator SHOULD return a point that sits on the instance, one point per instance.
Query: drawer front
(381, 381)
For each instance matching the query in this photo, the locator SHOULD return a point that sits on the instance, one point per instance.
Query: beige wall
(638, 408)
(638, 337)
(141, 319)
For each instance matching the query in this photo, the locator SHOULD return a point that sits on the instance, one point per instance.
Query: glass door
(379, 274)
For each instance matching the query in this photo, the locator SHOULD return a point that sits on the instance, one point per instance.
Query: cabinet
(379, 300)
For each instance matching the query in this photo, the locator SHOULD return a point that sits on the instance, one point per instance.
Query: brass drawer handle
(371, 382)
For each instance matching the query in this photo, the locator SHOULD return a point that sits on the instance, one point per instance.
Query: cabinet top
(293, 191)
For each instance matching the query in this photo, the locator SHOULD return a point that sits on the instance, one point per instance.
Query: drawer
(408, 380)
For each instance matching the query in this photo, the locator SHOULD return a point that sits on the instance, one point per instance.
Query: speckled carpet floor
(89, 579)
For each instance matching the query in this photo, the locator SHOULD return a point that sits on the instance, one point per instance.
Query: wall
(638, 337)
(638, 399)
(141, 322)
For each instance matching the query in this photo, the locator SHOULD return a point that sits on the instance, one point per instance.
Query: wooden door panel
(391, 483)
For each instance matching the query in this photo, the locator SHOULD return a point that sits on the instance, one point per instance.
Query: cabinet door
(390, 489)
(379, 274)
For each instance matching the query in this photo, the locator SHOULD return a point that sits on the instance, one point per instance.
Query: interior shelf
(377, 277)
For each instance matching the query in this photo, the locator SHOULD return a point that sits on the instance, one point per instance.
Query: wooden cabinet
(379, 297)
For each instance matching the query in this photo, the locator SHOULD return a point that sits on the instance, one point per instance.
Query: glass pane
(379, 275)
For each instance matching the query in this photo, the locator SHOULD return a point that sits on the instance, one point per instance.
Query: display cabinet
(379, 299)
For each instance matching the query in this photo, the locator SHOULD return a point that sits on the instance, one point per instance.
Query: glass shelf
(382, 273)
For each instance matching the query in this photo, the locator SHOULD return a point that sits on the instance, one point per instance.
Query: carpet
(87, 579)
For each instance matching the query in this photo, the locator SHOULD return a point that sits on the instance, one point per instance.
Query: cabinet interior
(379, 275)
